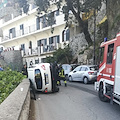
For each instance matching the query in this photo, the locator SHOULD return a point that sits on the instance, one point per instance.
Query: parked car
(68, 68)
(85, 73)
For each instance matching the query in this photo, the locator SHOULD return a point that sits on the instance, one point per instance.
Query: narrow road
(75, 102)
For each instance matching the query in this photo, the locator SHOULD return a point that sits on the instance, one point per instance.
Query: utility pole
(94, 37)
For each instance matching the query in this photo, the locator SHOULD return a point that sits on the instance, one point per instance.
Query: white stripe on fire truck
(106, 75)
(103, 43)
(118, 34)
(102, 67)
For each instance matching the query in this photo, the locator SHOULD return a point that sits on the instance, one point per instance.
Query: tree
(61, 56)
(23, 4)
(76, 7)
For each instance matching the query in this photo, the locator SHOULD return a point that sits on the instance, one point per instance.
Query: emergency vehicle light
(105, 39)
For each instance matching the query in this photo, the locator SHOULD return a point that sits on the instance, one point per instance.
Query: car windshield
(93, 68)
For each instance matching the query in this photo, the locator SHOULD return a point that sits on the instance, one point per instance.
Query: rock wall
(13, 59)
(113, 15)
(99, 17)
(78, 43)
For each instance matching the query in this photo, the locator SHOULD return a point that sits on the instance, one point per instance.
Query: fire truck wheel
(85, 80)
(101, 95)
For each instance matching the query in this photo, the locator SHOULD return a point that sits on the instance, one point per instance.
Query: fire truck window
(101, 54)
(110, 53)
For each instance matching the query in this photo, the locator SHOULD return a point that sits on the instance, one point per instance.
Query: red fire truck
(108, 77)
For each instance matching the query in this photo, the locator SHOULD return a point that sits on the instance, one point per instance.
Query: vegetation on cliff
(9, 80)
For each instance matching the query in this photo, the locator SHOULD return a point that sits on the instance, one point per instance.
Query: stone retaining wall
(16, 105)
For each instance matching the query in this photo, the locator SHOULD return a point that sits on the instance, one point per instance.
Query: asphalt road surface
(74, 102)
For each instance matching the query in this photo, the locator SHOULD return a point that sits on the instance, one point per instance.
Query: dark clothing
(62, 76)
(24, 71)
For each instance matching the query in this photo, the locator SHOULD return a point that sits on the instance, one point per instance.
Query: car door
(78, 72)
(81, 73)
(75, 73)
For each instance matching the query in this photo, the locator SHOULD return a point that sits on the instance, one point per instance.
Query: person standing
(62, 75)
(24, 70)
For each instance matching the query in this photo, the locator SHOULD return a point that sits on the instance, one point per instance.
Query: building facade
(32, 34)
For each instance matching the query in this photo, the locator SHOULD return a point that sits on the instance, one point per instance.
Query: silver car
(85, 73)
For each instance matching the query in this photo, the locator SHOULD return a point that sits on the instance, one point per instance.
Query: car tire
(70, 78)
(85, 80)
(101, 95)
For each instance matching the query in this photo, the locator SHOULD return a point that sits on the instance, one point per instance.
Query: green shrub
(9, 80)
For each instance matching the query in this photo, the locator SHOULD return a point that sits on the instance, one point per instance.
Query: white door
(117, 72)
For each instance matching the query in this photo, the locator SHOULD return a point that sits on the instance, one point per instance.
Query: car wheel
(70, 78)
(85, 80)
(101, 95)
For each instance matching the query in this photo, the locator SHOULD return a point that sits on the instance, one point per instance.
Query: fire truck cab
(108, 77)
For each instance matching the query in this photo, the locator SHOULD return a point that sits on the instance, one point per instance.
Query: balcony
(40, 50)
(26, 31)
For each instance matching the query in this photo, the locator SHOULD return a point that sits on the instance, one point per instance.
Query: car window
(86, 69)
(66, 67)
(73, 67)
(93, 68)
(77, 68)
(83, 68)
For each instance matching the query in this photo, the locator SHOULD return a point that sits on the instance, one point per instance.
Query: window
(43, 42)
(65, 35)
(30, 44)
(37, 23)
(93, 68)
(83, 69)
(37, 61)
(44, 22)
(77, 68)
(101, 54)
(12, 33)
(86, 69)
(58, 39)
(43, 60)
(53, 42)
(38, 43)
(22, 29)
(23, 47)
(110, 53)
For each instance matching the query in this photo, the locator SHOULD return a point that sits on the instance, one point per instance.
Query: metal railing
(40, 50)
(25, 31)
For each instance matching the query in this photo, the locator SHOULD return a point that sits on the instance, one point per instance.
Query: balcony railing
(25, 31)
(40, 50)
